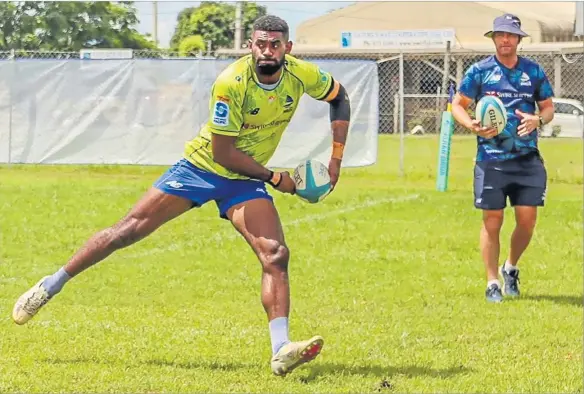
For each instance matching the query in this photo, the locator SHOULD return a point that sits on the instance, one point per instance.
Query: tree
(70, 26)
(191, 45)
(182, 27)
(215, 22)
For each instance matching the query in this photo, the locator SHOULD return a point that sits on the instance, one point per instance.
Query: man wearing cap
(508, 165)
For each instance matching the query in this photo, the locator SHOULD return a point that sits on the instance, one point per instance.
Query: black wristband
(272, 177)
(269, 177)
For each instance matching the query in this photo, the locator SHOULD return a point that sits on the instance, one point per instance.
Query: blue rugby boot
(494, 294)
(511, 282)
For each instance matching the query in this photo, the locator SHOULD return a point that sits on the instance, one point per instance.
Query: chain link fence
(423, 79)
(414, 84)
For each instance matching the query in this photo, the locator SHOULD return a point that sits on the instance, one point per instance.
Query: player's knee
(526, 223)
(493, 221)
(274, 254)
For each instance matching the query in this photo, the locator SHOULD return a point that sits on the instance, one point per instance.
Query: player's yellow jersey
(256, 115)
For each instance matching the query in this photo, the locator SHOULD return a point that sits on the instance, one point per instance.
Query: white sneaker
(295, 354)
(30, 302)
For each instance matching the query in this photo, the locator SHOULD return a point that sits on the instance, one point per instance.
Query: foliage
(190, 45)
(70, 26)
(215, 22)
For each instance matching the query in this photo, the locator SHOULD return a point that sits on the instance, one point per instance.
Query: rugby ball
(312, 180)
(491, 112)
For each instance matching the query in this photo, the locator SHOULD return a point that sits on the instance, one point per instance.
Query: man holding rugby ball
(508, 164)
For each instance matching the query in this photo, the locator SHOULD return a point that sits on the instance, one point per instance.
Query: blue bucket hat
(507, 23)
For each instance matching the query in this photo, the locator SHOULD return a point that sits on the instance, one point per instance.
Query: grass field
(387, 270)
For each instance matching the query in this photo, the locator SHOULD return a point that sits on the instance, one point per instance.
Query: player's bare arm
(460, 104)
(226, 154)
(530, 122)
(340, 116)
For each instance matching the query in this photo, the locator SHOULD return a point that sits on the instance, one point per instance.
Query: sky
(293, 12)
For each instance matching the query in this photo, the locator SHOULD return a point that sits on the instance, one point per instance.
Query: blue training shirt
(518, 88)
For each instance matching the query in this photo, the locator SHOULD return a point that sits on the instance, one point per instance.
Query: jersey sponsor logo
(275, 123)
(512, 95)
(525, 81)
(220, 113)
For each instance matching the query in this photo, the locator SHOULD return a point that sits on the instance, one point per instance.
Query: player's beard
(269, 69)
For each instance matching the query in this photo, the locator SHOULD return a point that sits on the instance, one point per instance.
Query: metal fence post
(10, 103)
(402, 115)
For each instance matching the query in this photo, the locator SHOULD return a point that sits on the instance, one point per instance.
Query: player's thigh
(489, 188)
(257, 220)
(176, 191)
(530, 188)
(156, 208)
(527, 196)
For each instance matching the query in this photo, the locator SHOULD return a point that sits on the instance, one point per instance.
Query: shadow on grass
(380, 371)
(574, 300)
(317, 368)
(78, 360)
(314, 370)
(212, 365)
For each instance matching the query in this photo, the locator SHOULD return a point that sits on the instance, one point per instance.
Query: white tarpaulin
(143, 111)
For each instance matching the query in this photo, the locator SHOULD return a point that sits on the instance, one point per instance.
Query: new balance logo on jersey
(493, 78)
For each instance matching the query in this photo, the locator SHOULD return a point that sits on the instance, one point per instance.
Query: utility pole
(579, 28)
(238, 25)
(155, 16)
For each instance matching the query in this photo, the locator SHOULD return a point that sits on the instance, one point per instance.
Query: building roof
(470, 20)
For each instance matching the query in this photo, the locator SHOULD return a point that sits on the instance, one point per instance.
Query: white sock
(494, 281)
(279, 333)
(509, 268)
(54, 283)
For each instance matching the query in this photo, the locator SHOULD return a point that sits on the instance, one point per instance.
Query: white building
(545, 22)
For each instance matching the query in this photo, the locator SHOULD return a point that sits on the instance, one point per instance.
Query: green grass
(387, 270)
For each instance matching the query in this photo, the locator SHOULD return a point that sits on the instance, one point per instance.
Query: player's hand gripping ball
(312, 180)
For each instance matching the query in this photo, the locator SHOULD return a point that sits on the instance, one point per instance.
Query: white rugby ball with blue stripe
(312, 180)
(491, 112)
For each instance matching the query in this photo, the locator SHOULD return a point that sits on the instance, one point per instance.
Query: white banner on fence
(143, 111)
(397, 39)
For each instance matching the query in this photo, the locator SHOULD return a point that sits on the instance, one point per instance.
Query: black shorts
(523, 180)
